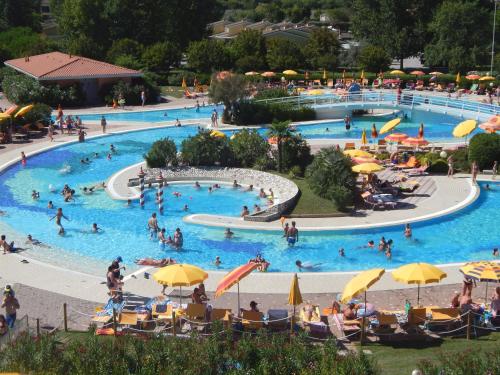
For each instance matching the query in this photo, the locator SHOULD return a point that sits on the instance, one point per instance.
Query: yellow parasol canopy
(184, 84)
(458, 78)
(363, 137)
(324, 74)
(464, 128)
(252, 73)
(295, 297)
(487, 78)
(358, 153)
(180, 275)
(217, 134)
(397, 72)
(482, 271)
(390, 125)
(418, 273)
(315, 92)
(367, 168)
(4, 116)
(290, 72)
(24, 110)
(360, 283)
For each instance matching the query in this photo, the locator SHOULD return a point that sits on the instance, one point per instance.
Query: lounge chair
(410, 164)
(444, 318)
(105, 314)
(349, 146)
(416, 317)
(196, 312)
(252, 320)
(381, 146)
(348, 328)
(278, 319)
(385, 323)
(222, 315)
(162, 312)
(381, 201)
(409, 186)
(127, 318)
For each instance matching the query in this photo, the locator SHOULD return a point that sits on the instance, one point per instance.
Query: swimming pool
(466, 235)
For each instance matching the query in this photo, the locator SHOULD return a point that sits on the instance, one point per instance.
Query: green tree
(206, 150)
(295, 153)
(159, 57)
(459, 28)
(208, 55)
(484, 149)
(322, 49)
(284, 54)
(374, 59)
(122, 47)
(22, 41)
(247, 146)
(228, 90)
(280, 130)
(271, 11)
(249, 50)
(20, 13)
(161, 154)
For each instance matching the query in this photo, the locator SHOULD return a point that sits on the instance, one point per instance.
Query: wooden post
(362, 338)
(468, 324)
(37, 328)
(114, 322)
(291, 324)
(65, 312)
(173, 323)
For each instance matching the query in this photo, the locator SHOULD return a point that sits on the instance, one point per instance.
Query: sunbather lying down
(154, 262)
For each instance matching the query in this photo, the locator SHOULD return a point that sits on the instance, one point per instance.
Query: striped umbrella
(410, 141)
(361, 160)
(396, 137)
(482, 271)
(234, 277)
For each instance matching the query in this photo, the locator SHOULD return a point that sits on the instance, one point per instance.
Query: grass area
(399, 359)
(309, 203)
(175, 91)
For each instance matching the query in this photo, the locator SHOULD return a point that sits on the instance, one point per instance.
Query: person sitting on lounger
(155, 262)
(195, 296)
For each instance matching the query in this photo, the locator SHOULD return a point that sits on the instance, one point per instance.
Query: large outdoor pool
(469, 234)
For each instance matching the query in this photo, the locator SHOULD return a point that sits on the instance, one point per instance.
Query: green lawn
(310, 203)
(402, 360)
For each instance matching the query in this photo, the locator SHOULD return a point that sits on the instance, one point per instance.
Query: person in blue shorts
(292, 235)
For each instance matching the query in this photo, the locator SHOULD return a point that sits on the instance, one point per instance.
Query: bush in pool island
(203, 149)
(484, 149)
(330, 176)
(274, 354)
(247, 146)
(229, 89)
(257, 113)
(162, 154)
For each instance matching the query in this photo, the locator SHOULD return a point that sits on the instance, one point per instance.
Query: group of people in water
(157, 233)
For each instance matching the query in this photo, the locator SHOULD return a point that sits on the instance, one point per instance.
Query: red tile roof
(58, 65)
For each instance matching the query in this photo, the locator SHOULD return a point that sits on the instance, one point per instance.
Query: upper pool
(466, 235)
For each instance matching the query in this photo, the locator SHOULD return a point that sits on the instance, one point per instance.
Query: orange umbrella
(234, 277)
(494, 120)
(421, 131)
(12, 110)
(268, 74)
(473, 77)
(417, 73)
(396, 137)
(374, 131)
(489, 127)
(410, 141)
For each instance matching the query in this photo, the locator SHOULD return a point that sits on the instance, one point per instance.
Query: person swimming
(35, 195)
(50, 205)
(185, 208)
(217, 261)
(307, 265)
(112, 148)
(235, 184)
(161, 238)
(65, 169)
(95, 228)
(327, 130)
(197, 185)
(342, 252)
(178, 239)
(228, 234)
(407, 231)
(495, 252)
(262, 193)
(382, 244)
(31, 241)
(292, 235)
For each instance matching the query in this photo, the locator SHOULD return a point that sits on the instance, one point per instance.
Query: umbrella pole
(238, 297)
(362, 339)
(418, 295)
(180, 295)
(486, 294)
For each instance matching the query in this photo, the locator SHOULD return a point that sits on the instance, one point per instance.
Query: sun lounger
(416, 317)
(347, 328)
(409, 186)
(127, 318)
(196, 312)
(410, 164)
(252, 320)
(444, 318)
(223, 315)
(381, 145)
(385, 323)
(420, 171)
(277, 319)
(349, 146)
(382, 201)
(162, 312)
(105, 314)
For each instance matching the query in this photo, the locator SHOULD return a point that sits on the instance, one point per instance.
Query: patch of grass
(399, 359)
(175, 91)
(309, 203)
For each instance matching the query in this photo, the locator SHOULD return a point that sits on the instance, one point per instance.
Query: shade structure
(374, 131)
(396, 137)
(363, 137)
(436, 73)
(489, 127)
(487, 78)
(180, 275)
(268, 74)
(252, 73)
(388, 126)
(397, 72)
(367, 168)
(410, 141)
(295, 297)
(24, 110)
(464, 128)
(482, 271)
(361, 283)
(234, 277)
(217, 134)
(458, 78)
(361, 160)
(184, 84)
(417, 73)
(418, 273)
(472, 77)
(358, 153)
(290, 72)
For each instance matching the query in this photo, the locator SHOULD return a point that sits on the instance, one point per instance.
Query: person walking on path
(450, 166)
(494, 170)
(474, 170)
(143, 97)
(103, 124)
(11, 305)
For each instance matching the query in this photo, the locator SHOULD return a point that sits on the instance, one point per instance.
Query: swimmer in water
(228, 234)
(197, 185)
(50, 205)
(495, 252)
(262, 193)
(178, 238)
(249, 188)
(153, 226)
(95, 228)
(35, 195)
(185, 208)
(307, 265)
(65, 169)
(161, 238)
(112, 148)
(129, 203)
(31, 241)
(217, 261)
(342, 252)
(209, 189)
(256, 208)
(235, 184)
(382, 244)
(109, 156)
(369, 245)
(487, 187)
(327, 130)
(96, 155)
(407, 232)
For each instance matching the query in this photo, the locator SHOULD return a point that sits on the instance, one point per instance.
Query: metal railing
(408, 99)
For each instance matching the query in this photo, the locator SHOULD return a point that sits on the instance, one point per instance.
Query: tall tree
(208, 55)
(228, 89)
(284, 54)
(281, 131)
(322, 49)
(20, 13)
(460, 29)
(397, 26)
(249, 50)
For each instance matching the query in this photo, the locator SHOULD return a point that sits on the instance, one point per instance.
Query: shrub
(252, 113)
(40, 112)
(330, 176)
(131, 92)
(247, 146)
(204, 149)
(271, 93)
(264, 163)
(472, 361)
(161, 154)
(296, 152)
(438, 166)
(295, 171)
(484, 148)
(461, 161)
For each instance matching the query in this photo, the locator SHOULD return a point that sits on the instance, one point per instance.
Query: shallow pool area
(465, 235)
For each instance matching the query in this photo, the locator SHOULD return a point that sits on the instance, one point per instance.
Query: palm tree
(280, 131)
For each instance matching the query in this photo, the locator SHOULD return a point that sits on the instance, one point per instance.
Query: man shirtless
(5, 245)
(292, 235)
(153, 226)
(59, 216)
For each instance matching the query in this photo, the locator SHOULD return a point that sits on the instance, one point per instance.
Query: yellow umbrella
(24, 110)
(458, 78)
(397, 72)
(316, 92)
(436, 73)
(180, 275)
(294, 297)
(252, 73)
(360, 283)
(482, 271)
(464, 128)
(324, 73)
(367, 168)
(4, 116)
(358, 153)
(418, 273)
(290, 72)
(487, 78)
(184, 84)
(363, 137)
(362, 76)
(217, 134)
(390, 125)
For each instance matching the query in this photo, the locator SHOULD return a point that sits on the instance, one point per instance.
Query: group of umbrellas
(13, 112)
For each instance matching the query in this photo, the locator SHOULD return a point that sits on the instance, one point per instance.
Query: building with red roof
(66, 70)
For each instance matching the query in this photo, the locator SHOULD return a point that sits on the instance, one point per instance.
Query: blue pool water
(469, 234)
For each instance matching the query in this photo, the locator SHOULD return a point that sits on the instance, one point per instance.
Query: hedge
(484, 149)
(252, 113)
